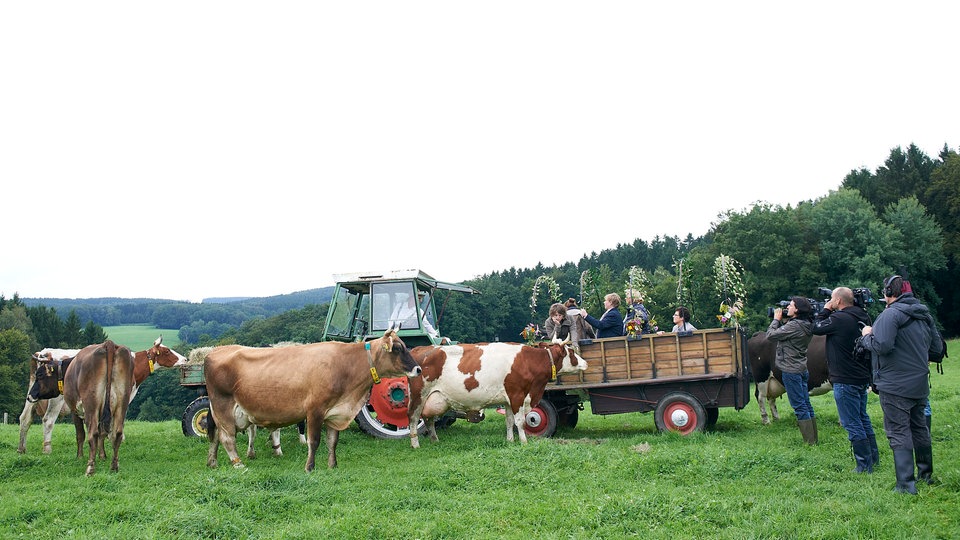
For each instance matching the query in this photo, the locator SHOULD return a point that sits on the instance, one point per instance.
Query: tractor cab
(364, 306)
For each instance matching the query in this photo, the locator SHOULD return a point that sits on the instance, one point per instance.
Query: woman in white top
(681, 320)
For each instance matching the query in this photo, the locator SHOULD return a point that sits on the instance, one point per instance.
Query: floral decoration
(529, 334)
(729, 285)
(553, 292)
(634, 327)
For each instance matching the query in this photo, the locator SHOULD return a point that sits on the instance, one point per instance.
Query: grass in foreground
(610, 477)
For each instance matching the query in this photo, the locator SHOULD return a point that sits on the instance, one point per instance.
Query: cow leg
(251, 436)
(275, 442)
(81, 434)
(509, 415)
(432, 428)
(520, 420)
(333, 436)
(116, 437)
(54, 407)
(224, 430)
(302, 429)
(93, 442)
(313, 440)
(213, 438)
(775, 389)
(761, 395)
(26, 418)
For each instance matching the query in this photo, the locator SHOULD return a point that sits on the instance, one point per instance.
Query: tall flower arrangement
(728, 282)
(553, 293)
(683, 277)
(637, 280)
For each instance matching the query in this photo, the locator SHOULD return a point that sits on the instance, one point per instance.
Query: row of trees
(902, 217)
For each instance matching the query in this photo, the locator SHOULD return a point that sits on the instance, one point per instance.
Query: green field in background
(140, 337)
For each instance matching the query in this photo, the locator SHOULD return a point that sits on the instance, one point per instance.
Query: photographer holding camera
(900, 373)
(840, 321)
(792, 338)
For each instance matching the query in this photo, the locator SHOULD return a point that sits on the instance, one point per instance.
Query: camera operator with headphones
(900, 374)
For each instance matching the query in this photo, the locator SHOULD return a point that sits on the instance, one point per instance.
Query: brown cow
(324, 383)
(470, 377)
(768, 379)
(97, 388)
(144, 362)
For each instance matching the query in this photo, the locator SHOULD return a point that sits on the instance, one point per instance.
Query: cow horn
(158, 341)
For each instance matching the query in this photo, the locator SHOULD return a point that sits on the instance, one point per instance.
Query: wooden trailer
(684, 378)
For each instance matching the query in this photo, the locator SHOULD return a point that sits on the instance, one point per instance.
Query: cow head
(392, 358)
(163, 355)
(570, 360)
(47, 380)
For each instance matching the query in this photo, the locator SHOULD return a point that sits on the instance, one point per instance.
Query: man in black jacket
(901, 339)
(841, 321)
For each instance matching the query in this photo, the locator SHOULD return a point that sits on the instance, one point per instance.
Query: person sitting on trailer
(610, 324)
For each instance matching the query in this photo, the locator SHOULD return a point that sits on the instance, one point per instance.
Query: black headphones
(887, 285)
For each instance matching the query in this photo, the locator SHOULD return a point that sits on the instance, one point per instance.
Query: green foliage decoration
(729, 285)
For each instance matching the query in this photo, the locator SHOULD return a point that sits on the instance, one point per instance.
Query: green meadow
(610, 477)
(140, 337)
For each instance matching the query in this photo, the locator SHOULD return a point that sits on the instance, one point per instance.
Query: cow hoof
(212, 463)
(414, 443)
(239, 465)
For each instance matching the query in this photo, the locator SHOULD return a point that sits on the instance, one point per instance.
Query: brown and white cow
(768, 378)
(51, 409)
(97, 388)
(324, 383)
(144, 363)
(470, 377)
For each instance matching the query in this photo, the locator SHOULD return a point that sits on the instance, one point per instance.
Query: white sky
(193, 149)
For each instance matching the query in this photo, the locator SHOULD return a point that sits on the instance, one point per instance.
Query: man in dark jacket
(610, 324)
(841, 321)
(900, 341)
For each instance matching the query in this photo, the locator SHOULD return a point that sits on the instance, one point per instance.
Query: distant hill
(177, 313)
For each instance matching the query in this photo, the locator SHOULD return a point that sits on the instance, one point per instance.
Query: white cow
(54, 405)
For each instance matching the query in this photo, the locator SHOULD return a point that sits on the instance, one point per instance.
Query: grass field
(610, 477)
(140, 337)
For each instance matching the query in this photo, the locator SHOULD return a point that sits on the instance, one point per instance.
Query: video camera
(861, 296)
(781, 304)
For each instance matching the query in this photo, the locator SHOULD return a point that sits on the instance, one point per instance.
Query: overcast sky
(186, 150)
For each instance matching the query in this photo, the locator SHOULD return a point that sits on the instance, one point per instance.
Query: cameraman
(792, 338)
(900, 352)
(841, 320)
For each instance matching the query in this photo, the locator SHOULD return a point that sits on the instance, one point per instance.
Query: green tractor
(363, 307)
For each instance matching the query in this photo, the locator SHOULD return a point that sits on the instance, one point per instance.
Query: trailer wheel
(542, 420)
(680, 412)
(194, 421)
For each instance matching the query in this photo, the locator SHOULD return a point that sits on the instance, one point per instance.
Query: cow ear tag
(60, 386)
(151, 365)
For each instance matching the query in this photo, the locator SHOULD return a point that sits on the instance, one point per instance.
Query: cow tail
(105, 416)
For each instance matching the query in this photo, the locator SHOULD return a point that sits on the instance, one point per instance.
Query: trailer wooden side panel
(714, 352)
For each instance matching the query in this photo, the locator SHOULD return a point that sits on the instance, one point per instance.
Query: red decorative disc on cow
(389, 399)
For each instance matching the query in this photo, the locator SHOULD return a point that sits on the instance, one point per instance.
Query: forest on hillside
(903, 217)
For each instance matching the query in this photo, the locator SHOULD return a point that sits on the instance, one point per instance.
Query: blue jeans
(852, 407)
(797, 393)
